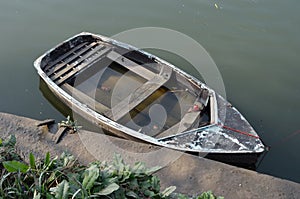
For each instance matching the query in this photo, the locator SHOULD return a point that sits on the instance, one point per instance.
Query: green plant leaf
(90, 176)
(181, 196)
(61, 190)
(1, 142)
(10, 142)
(14, 166)
(47, 159)
(36, 195)
(50, 164)
(168, 191)
(132, 194)
(108, 190)
(208, 195)
(32, 161)
(68, 160)
(138, 167)
(118, 162)
(149, 193)
(52, 177)
(155, 183)
(152, 170)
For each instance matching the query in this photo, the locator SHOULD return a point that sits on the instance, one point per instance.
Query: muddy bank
(188, 173)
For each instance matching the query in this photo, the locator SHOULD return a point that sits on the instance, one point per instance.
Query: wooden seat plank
(139, 95)
(131, 65)
(75, 63)
(185, 123)
(69, 59)
(84, 98)
(51, 64)
(82, 65)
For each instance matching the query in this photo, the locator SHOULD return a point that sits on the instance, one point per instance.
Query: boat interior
(128, 86)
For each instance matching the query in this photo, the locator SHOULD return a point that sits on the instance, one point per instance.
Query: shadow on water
(60, 106)
(65, 110)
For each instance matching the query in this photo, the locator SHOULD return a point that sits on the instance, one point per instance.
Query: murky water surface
(254, 43)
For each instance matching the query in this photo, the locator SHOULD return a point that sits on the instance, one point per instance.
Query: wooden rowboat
(138, 96)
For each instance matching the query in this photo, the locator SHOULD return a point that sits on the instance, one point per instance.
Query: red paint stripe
(238, 131)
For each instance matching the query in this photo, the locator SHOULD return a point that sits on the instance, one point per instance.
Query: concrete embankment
(190, 174)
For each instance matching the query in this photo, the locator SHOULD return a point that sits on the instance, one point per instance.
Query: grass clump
(69, 123)
(63, 177)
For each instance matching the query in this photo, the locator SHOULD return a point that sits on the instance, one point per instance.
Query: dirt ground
(190, 174)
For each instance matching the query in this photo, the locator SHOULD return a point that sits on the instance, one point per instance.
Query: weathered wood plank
(139, 95)
(204, 97)
(132, 66)
(59, 66)
(85, 99)
(186, 122)
(82, 65)
(50, 65)
(75, 63)
(46, 122)
(59, 134)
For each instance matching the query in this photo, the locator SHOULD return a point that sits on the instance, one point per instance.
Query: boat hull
(223, 115)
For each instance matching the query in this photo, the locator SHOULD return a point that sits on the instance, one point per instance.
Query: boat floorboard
(60, 80)
(85, 99)
(186, 122)
(140, 94)
(69, 63)
(70, 66)
(62, 57)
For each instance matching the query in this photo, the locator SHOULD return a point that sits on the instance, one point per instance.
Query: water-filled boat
(136, 95)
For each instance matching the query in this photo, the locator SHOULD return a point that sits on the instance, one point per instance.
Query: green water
(255, 44)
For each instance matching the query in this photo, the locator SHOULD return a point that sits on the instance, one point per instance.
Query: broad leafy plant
(63, 177)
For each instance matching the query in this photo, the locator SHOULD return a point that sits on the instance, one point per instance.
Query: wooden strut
(59, 134)
(138, 96)
(130, 65)
(141, 93)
